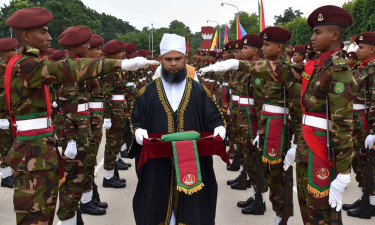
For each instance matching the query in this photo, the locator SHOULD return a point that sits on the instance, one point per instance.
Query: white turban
(172, 42)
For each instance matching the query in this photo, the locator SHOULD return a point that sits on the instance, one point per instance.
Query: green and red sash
(274, 138)
(186, 161)
(185, 148)
(319, 167)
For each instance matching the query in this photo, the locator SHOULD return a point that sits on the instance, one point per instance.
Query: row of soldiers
(69, 94)
(281, 110)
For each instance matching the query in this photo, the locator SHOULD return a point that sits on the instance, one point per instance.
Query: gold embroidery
(217, 106)
(184, 102)
(140, 92)
(171, 190)
(165, 104)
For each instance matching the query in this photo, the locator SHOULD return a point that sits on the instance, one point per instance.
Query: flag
(262, 23)
(215, 42)
(187, 45)
(239, 28)
(226, 34)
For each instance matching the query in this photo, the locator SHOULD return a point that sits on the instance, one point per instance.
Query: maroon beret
(113, 47)
(219, 55)
(75, 35)
(7, 44)
(330, 15)
(147, 52)
(238, 44)
(352, 55)
(96, 40)
(203, 53)
(29, 17)
(342, 45)
(366, 38)
(344, 53)
(130, 47)
(252, 40)
(58, 55)
(276, 34)
(299, 48)
(212, 53)
(309, 47)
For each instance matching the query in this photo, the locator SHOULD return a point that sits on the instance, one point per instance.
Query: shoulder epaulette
(340, 64)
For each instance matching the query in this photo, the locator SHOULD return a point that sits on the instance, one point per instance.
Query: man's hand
(107, 123)
(140, 134)
(290, 157)
(230, 64)
(137, 63)
(337, 187)
(4, 124)
(369, 142)
(71, 150)
(220, 131)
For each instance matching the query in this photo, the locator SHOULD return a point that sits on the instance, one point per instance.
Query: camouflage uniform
(233, 108)
(333, 79)
(114, 85)
(6, 138)
(276, 75)
(364, 76)
(35, 157)
(96, 121)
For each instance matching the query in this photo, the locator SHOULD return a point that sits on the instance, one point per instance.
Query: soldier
(310, 53)
(114, 87)
(363, 121)
(299, 53)
(328, 91)
(8, 49)
(352, 59)
(34, 157)
(75, 130)
(90, 197)
(280, 101)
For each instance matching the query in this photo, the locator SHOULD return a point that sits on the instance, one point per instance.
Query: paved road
(120, 202)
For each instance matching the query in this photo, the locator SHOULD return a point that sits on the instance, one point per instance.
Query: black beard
(173, 78)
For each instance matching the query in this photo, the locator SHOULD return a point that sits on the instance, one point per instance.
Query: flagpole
(219, 31)
(223, 3)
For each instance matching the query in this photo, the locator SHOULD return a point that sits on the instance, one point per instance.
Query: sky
(195, 13)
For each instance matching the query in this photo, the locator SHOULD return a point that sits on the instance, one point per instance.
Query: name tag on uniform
(306, 76)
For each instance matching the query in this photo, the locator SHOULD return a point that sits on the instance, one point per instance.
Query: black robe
(156, 194)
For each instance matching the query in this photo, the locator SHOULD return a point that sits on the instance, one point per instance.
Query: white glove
(230, 64)
(71, 150)
(137, 63)
(140, 134)
(338, 186)
(290, 157)
(4, 124)
(205, 69)
(123, 147)
(256, 141)
(220, 131)
(370, 140)
(54, 104)
(107, 123)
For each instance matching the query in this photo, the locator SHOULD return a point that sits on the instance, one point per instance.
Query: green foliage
(141, 39)
(363, 16)
(289, 16)
(301, 32)
(248, 21)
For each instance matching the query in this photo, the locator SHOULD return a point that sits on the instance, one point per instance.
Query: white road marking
(295, 189)
(98, 167)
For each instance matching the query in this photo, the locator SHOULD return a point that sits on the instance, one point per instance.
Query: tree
(138, 38)
(301, 32)
(363, 15)
(289, 16)
(248, 21)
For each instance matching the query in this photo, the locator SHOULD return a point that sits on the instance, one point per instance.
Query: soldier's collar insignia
(245, 41)
(320, 17)
(264, 36)
(306, 76)
(361, 38)
(339, 88)
(32, 50)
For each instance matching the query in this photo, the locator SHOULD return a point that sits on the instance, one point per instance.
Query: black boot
(91, 208)
(124, 154)
(250, 209)
(7, 182)
(347, 207)
(243, 204)
(121, 165)
(233, 181)
(356, 211)
(114, 182)
(79, 217)
(96, 197)
(235, 166)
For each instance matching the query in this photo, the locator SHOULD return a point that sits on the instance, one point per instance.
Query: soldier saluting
(33, 156)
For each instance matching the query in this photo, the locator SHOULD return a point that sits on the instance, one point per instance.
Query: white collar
(174, 92)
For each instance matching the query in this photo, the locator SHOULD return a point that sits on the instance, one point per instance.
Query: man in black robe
(173, 103)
